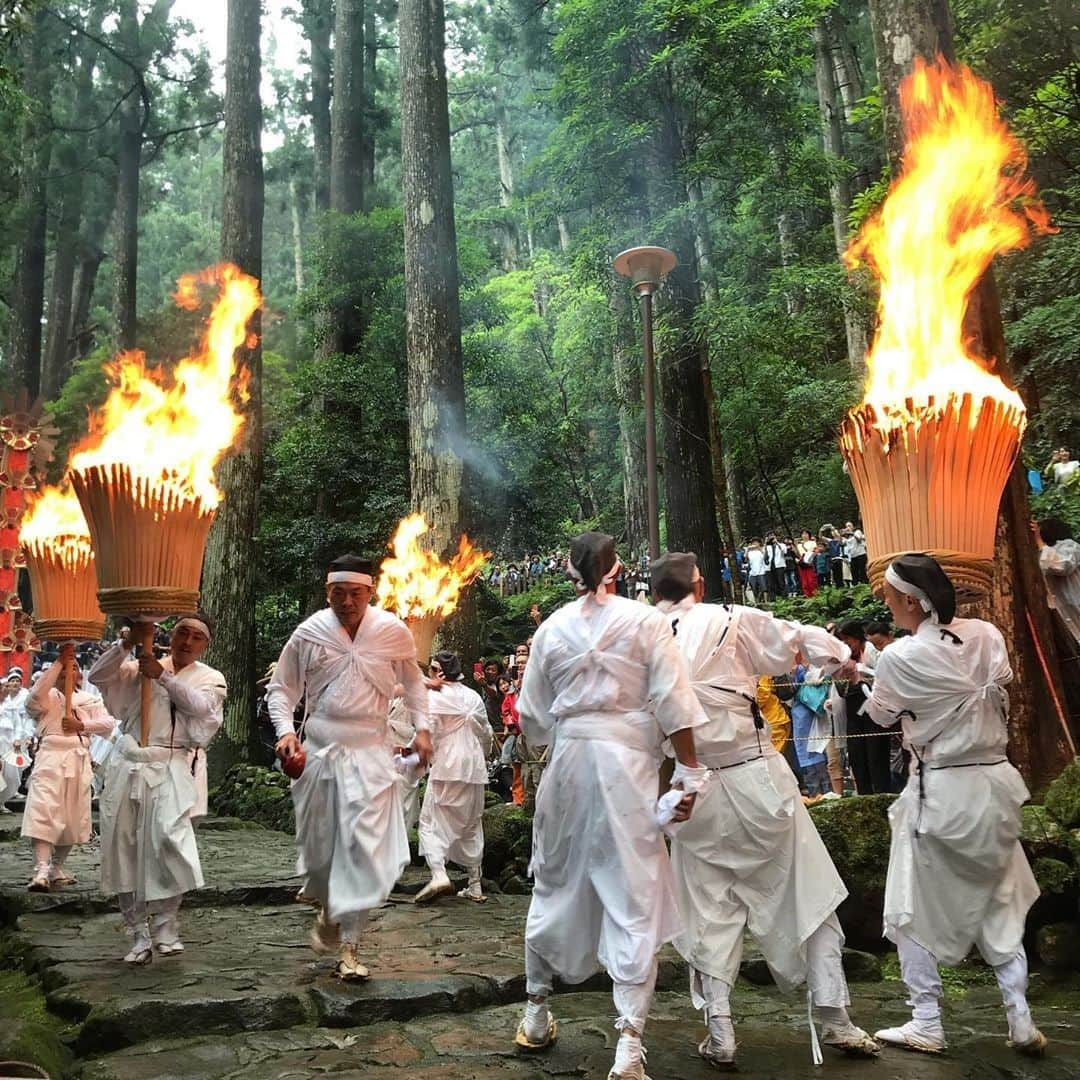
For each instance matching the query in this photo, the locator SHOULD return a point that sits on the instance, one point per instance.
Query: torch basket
(424, 628)
(149, 540)
(933, 483)
(64, 585)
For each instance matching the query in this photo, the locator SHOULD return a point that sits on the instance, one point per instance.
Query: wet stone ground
(248, 999)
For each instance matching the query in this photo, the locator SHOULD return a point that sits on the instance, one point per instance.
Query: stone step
(241, 865)
(772, 1035)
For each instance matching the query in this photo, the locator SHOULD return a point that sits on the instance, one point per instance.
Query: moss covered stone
(1053, 875)
(1058, 946)
(507, 841)
(856, 832)
(1063, 796)
(28, 1031)
(252, 793)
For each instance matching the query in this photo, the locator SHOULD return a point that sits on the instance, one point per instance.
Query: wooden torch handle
(145, 633)
(67, 662)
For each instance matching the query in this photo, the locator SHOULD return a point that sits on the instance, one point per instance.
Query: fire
(414, 583)
(54, 525)
(170, 428)
(961, 199)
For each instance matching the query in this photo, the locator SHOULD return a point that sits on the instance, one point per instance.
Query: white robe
(1060, 565)
(451, 820)
(749, 857)
(58, 796)
(400, 734)
(15, 727)
(957, 873)
(150, 795)
(350, 831)
(604, 685)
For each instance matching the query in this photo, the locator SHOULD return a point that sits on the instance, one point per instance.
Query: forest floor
(248, 999)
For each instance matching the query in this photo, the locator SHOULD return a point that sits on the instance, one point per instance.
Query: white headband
(349, 577)
(900, 585)
(193, 624)
(600, 594)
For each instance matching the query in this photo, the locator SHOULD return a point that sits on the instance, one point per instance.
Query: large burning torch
(932, 444)
(419, 587)
(60, 563)
(145, 472)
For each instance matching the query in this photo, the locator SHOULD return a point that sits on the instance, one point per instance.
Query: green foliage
(1062, 800)
(1060, 501)
(830, 604)
(252, 793)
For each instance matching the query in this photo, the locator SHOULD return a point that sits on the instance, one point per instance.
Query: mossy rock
(507, 840)
(252, 793)
(1058, 946)
(28, 1031)
(1063, 796)
(1054, 876)
(856, 832)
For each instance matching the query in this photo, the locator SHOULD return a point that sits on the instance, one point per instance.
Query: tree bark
(371, 58)
(347, 121)
(507, 229)
(904, 29)
(231, 567)
(626, 362)
(28, 287)
(71, 159)
(90, 257)
(855, 328)
(432, 307)
(318, 19)
(688, 469)
(296, 213)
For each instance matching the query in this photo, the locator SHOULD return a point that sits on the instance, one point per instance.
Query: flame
(414, 583)
(961, 199)
(54, 524)
(170, 428)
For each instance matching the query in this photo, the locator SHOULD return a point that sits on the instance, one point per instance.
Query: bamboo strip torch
(146, 634)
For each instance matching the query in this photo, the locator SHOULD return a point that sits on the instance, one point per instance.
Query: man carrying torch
(346, 661)
(57, 814)
(148, 853)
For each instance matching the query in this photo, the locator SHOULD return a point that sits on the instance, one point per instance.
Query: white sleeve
(38, 701)
(537, 695)
(672, 699)
(769, 644)
(1060, 559)
(286, 688)
(415, 693)
(203, 708)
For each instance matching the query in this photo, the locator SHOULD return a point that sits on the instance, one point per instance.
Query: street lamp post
(646, 267)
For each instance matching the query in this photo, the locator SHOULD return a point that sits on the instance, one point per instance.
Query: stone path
(250, 1000)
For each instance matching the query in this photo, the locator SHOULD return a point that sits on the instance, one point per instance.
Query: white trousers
(920, 972)
(632, 1000)
(164, 921)
(824, 975)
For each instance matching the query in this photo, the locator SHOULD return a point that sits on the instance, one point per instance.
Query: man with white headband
(958, 876)
(346, 662)
(604, 685)
(750, 858)
(148, 853)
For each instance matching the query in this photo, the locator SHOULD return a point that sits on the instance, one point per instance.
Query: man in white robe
(149, 857)
(604, 687)
(750, 858)
(345, 661)
(451, 820)
(958, 876)
(400, 735)
(16, 732)
(57, 812)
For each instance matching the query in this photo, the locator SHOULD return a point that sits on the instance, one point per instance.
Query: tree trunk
(371, 57)
(28, 287)
(688, 470)
(54, 366)
(564, 232)
(626, 362)
(846, 73)
(855, 328)
(904, 29)
(703, 252)
(347, 121)
(432, 313)
(296, 212)
(318, 19)
(231, 567)
(507, 229)
(90, 256)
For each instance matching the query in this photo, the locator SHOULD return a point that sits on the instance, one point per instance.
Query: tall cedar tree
(231, 566)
